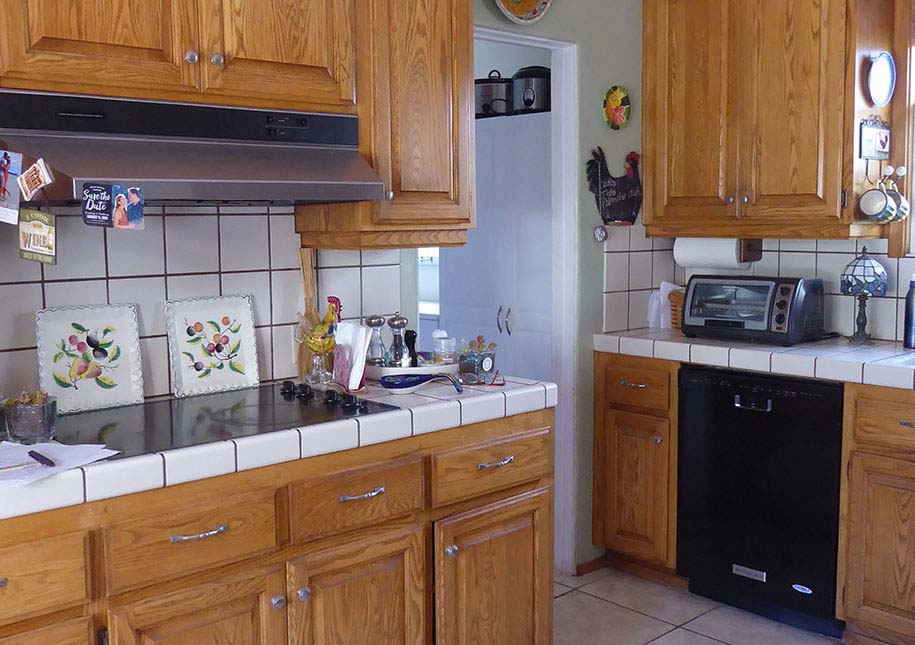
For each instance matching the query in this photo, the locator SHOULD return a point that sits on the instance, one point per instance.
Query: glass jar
(30, 423)
(444, 350)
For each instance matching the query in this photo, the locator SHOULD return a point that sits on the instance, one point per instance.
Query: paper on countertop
(659, 314)
(66, 458)
(355, 340)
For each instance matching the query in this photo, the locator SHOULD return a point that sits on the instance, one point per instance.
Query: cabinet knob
(452, 551)
(905, 424)
(2, 582)
(303, 594)
(729, 200)
(389, 195)
(218, 60)
(191, 56)
(657, 439)
(745, 199)
(278, 602)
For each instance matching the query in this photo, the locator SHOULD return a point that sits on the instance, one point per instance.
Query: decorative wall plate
(89, 357)
(881, 79)
(523, 12)
(211, 344)
(617, 107)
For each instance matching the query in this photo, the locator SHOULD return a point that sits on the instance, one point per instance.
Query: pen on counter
(41, 459)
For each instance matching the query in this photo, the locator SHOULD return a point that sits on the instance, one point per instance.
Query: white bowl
(373, 372)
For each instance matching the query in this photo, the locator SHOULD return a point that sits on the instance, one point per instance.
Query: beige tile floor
(609, 607)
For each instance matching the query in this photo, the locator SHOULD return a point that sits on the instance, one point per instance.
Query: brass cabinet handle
(907, 424)
(219, 530)
(303, 594)
(375, 492)
(638, 386)
(452, 551)
(498, 464)
(278, 602)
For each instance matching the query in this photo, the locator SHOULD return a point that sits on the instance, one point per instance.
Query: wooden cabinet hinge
(844, 198)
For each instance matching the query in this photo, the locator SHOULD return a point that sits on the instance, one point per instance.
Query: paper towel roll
(708, 253)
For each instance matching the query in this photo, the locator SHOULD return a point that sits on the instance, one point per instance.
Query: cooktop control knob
(362, 405)
(349, 401)
(305, 392)
(780, 319)
(785, 291)
(331, 397)
(781, 304)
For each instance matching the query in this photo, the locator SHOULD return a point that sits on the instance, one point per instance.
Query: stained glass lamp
(863, 277)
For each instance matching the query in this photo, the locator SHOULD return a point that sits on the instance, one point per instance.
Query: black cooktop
(170, 423)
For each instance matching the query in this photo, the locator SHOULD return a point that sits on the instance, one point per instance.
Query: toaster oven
(780, 311)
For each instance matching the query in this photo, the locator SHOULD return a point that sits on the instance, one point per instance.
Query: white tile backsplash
(12, 267)
(149, 296)
(381, 256)
(137, 252)
(243, 243)
(284, 360)
(75, 293)
(797, 265)
(616, 272)
(154, 354)
(19, 371)
(285, 243)
(255, 284)
(616, 311)
(638, 309)
(337, 259)
(640, 270)
(345, 284)
(380, 290)
(80, 251)
(204, 285)
(17, 314)
(192, 244)
(288, 297)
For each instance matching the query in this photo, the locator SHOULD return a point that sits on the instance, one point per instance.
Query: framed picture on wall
(211, 344)
(89, 357)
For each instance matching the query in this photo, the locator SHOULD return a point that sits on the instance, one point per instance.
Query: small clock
(523, 12)
(881, 79)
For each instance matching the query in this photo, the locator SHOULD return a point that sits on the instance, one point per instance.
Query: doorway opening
(515, 282)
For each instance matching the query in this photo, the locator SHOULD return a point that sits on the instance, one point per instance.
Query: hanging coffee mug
(877, 205)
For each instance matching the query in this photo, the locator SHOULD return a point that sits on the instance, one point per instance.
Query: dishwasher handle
(752, 406)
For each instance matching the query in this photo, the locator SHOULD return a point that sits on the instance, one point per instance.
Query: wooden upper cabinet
(493, 573)
(362, 590)
(690, 142)
(880, 584)
(293, 50)
(631, 498)
(793, 96)
(423, 111)
(121, 47)
(243, 609)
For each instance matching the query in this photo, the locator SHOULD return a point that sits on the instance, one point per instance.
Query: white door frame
(565, 261)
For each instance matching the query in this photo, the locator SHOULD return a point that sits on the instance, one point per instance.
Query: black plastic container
(909, 339)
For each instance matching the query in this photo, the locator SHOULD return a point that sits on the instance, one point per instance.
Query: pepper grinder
(410, 338)
(375, 354)
(400, 357)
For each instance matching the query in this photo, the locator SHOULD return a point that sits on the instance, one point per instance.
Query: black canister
(909, 338)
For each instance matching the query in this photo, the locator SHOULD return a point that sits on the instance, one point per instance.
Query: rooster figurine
(619, 199)
(321, 338)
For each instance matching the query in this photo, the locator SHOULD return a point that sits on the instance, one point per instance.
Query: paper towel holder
(749, 250)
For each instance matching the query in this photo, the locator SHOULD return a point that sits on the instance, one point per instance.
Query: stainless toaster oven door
(731, 304)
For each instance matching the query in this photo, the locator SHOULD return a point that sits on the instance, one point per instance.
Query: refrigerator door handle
(738, 403)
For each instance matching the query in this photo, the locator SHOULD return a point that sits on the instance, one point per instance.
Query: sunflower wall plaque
(523, 12)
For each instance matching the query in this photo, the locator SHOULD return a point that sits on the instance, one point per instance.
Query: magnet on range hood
(188, 153)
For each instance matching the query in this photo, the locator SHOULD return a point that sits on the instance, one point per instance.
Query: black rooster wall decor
(619, 199)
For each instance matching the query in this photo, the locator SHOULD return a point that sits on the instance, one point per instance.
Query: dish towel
(64, 457)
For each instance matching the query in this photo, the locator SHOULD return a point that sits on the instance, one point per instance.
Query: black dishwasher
(758, 493)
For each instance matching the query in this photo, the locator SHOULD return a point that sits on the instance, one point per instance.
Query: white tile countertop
(883, 363)
(431, 409)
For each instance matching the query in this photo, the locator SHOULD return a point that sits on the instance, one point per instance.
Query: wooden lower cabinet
(71, 632)
(359, 590)
(880, 580)
(493, 573)
(243, 609)
(631, 484)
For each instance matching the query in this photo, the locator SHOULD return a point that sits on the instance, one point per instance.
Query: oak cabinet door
(423, 113)
(115, 47)
(880, 586)
(792, 97)
(493, 573)
(689, 163)
(292, 50)
(366, 590)
(71, 632)
(631, 484)
(226, 612)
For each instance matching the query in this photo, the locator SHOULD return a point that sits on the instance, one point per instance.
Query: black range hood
(188, 153)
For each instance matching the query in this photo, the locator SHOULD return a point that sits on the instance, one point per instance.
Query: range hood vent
(185, 153)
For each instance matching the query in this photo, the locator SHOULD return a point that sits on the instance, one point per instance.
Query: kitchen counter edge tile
(107, 479)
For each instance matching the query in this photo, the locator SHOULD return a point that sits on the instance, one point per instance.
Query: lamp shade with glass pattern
(864, 276)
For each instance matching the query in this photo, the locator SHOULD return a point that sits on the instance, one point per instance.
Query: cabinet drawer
(342, 501)
(885, 423)
(644, 388)
(196, 536)
(72, 632)
(481, 469)
(42, 576)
